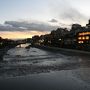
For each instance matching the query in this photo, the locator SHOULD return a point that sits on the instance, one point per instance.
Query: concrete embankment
(64, 50)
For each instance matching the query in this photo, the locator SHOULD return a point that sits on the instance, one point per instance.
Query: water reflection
(84, 61)
(83, 72)
(23, 45)
(47, 68)
(20, 61)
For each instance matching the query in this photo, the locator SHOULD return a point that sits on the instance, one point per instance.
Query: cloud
(26, 26)
(72, 15)
(4, 27)
(66, 12)
(65, 25)
(53, 21)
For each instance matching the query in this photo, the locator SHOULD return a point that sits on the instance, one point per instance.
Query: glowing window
(84, 33)
(87, 37)
(80, 42)
(79, 38)
(83, 38)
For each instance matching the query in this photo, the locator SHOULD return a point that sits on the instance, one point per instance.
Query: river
(37, 69)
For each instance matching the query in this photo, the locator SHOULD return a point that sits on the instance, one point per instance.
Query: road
(37, 69)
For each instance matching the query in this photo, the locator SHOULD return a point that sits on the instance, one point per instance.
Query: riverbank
(64, 50)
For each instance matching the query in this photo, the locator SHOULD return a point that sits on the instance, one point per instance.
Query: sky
(25, 18)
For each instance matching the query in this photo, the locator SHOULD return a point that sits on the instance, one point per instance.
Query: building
(88, 25)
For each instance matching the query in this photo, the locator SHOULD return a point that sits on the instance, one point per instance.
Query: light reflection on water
(23, 45)
(22, 61)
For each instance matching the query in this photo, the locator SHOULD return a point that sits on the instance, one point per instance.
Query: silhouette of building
(88, 25)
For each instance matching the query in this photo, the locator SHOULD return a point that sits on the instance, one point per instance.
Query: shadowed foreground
(36, 69)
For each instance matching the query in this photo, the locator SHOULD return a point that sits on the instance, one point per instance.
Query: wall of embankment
(64, 51)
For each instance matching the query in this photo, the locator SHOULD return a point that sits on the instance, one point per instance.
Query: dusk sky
(25, 18)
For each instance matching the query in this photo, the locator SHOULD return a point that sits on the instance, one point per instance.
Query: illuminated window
(87, 37)
(80, 42)
(79, 38)
(84, 33)
(83, 38)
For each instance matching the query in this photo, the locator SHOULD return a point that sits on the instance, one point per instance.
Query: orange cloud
(20, 35)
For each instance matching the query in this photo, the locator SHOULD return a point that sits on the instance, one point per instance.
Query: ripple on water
(20, 61)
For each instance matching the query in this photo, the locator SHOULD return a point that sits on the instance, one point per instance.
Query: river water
(48, 69)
